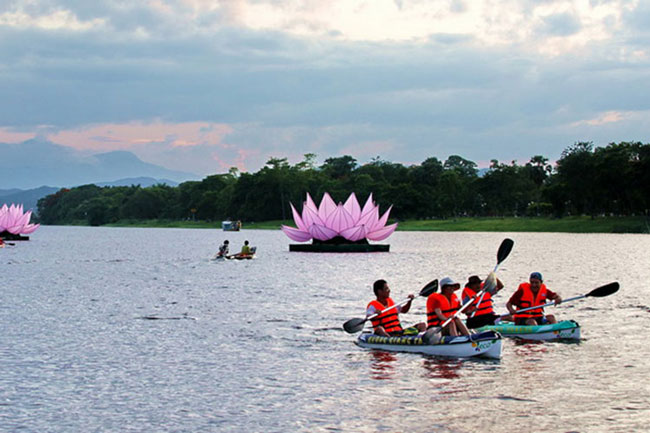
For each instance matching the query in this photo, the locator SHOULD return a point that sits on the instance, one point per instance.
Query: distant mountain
(27, 198)
(142, 181)
(37, 162)
(4, 192)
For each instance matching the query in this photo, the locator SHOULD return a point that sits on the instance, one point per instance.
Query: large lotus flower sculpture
(347, 220)
(15, 221)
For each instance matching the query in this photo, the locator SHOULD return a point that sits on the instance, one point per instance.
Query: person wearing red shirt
(532, 294)
(387, 324)
(441, 306)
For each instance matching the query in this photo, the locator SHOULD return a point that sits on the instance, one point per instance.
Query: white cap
(448, 282)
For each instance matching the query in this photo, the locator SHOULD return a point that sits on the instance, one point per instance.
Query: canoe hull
(564, 330)
(486, 345)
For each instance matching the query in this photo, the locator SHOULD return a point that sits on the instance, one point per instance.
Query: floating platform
(12, 237)
(339, 248)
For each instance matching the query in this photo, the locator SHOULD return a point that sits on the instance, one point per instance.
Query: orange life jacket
(388, 320)
(529, 299)
(447, 307)
(486, 303)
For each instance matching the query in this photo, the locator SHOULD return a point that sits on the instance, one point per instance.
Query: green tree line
(586, 180)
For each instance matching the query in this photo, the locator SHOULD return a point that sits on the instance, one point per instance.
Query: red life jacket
(528, 299)
(447, 307)
(388, 320)
(486, 303)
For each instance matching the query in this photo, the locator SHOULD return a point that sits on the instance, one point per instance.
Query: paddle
(490, 283)
(504, 251)
(355, 325)
(598, 292)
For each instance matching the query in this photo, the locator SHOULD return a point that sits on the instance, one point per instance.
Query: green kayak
(564, 330)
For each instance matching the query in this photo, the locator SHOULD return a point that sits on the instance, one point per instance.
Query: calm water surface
(257, 346)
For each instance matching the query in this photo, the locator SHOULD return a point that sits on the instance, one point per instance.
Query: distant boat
(231, 226)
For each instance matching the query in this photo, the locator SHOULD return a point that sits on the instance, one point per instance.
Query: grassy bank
(577, 224)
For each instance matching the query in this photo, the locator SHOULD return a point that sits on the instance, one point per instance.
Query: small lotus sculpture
(15, 221)
(347, 220)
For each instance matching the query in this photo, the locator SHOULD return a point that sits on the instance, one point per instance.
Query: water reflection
(382, 365)
(440, 368)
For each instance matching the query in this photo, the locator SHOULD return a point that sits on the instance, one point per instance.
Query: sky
(202, 85)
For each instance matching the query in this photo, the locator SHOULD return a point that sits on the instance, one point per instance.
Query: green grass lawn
(577, 224)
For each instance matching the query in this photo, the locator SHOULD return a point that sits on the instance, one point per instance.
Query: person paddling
(441, 306)
(223, 250)
(531, 294)
(483, 314)
(245, 251)
(387, 324)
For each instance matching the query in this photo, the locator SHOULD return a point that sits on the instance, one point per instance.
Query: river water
(136, 330)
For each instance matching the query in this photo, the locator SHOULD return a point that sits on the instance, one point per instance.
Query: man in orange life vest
(441, 306)
(387, 324)
(485, 314)
(529, 295)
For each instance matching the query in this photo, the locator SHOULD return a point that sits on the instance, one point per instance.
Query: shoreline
(572, 224)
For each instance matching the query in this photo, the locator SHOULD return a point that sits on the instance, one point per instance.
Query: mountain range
(34, 163)
(29, 166)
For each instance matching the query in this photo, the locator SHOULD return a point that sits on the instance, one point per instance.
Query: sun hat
(447, 281)
(474, 279)
(537, 276)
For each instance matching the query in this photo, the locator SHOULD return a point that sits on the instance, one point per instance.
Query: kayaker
(441, 306)
(223, 250)
(245, 251)
(387, 324)
(531, 294)
(485, 314)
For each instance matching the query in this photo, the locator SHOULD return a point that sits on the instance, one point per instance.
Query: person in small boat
(387, 324)
(531, 294)
(223, 250)
(485, 314)
(245, 251)
(441, 306)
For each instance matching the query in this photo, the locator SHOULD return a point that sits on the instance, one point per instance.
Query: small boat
(564, 330)
(231, 226)
(485, 344)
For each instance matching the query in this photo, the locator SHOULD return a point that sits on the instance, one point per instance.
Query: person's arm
(514, 300)
(554, 297)
(406, 307)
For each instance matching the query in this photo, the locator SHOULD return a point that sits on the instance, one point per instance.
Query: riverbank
(574, 224)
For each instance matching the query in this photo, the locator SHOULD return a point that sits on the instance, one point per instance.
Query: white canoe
(564, 330)
(486, 344)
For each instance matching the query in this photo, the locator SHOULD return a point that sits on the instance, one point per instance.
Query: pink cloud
(128, 136)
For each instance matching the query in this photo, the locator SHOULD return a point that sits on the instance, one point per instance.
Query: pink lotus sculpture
(14, 221)
(347, 220)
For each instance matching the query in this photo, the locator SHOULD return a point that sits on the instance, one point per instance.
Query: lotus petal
(381, 234)
(368, 206)
(355, 233)
(295, 234)
(310, 204)
(321, 232)
(370, 218)
(352, 206)
(339, 220)
(297, 219)
(29, 228)
(381, 221)
(310, 217)
(327, 206)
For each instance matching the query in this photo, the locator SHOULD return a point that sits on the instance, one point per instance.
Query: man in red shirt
(485, 314)
(532, 294)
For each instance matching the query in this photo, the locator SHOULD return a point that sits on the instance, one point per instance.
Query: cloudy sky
(204, 85)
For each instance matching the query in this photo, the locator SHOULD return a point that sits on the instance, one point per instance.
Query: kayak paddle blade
(504, 249)
(353, 326)
(429, 288)
(605, 290)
